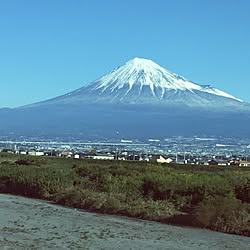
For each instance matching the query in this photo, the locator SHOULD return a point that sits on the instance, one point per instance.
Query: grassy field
(201, 196)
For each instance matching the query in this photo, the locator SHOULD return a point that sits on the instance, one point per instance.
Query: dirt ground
(33, 224)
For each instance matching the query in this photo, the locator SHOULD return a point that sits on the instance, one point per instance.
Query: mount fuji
(138, 99)
(141, 81)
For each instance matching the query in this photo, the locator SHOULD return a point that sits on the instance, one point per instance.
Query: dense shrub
(29, 161)
(225, 214)
(217, 198)
(189, 188)
(240, 182)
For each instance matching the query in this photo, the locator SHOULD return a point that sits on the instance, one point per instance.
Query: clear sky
(51, 47)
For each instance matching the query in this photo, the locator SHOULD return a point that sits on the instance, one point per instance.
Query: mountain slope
(141, 81)
(141, 73)
(139, 99)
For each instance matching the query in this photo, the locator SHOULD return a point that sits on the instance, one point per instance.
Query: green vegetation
(212, 197)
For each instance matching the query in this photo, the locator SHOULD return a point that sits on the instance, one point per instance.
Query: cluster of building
(124, 155)
(181, 150)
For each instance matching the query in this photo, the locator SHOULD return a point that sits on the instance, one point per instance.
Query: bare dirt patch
(34, 224)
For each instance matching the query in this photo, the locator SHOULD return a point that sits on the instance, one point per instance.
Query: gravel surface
(34, 224)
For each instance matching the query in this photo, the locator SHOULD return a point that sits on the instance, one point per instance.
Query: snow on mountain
(143, 72)
(143, 82)
(140, 99)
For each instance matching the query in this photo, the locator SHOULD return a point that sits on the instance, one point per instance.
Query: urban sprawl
(181, 150)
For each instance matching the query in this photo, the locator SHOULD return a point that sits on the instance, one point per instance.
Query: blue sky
(48, 48)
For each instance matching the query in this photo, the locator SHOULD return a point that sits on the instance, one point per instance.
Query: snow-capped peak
(140, 72)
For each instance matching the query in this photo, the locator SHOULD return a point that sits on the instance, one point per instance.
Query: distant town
(181, 150)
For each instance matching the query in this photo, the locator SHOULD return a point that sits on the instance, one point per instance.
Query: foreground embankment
(33, 224)
(216, 198)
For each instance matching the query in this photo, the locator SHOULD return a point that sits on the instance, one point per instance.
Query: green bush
(216, 198)
(240, 181)
(29, 161)
(179, 188)
(223, 214)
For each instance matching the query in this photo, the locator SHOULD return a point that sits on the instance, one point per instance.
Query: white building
(161, 159)
(244, 164)
(39, 153)
(102, 157)
(35, 153)
(77, 156)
